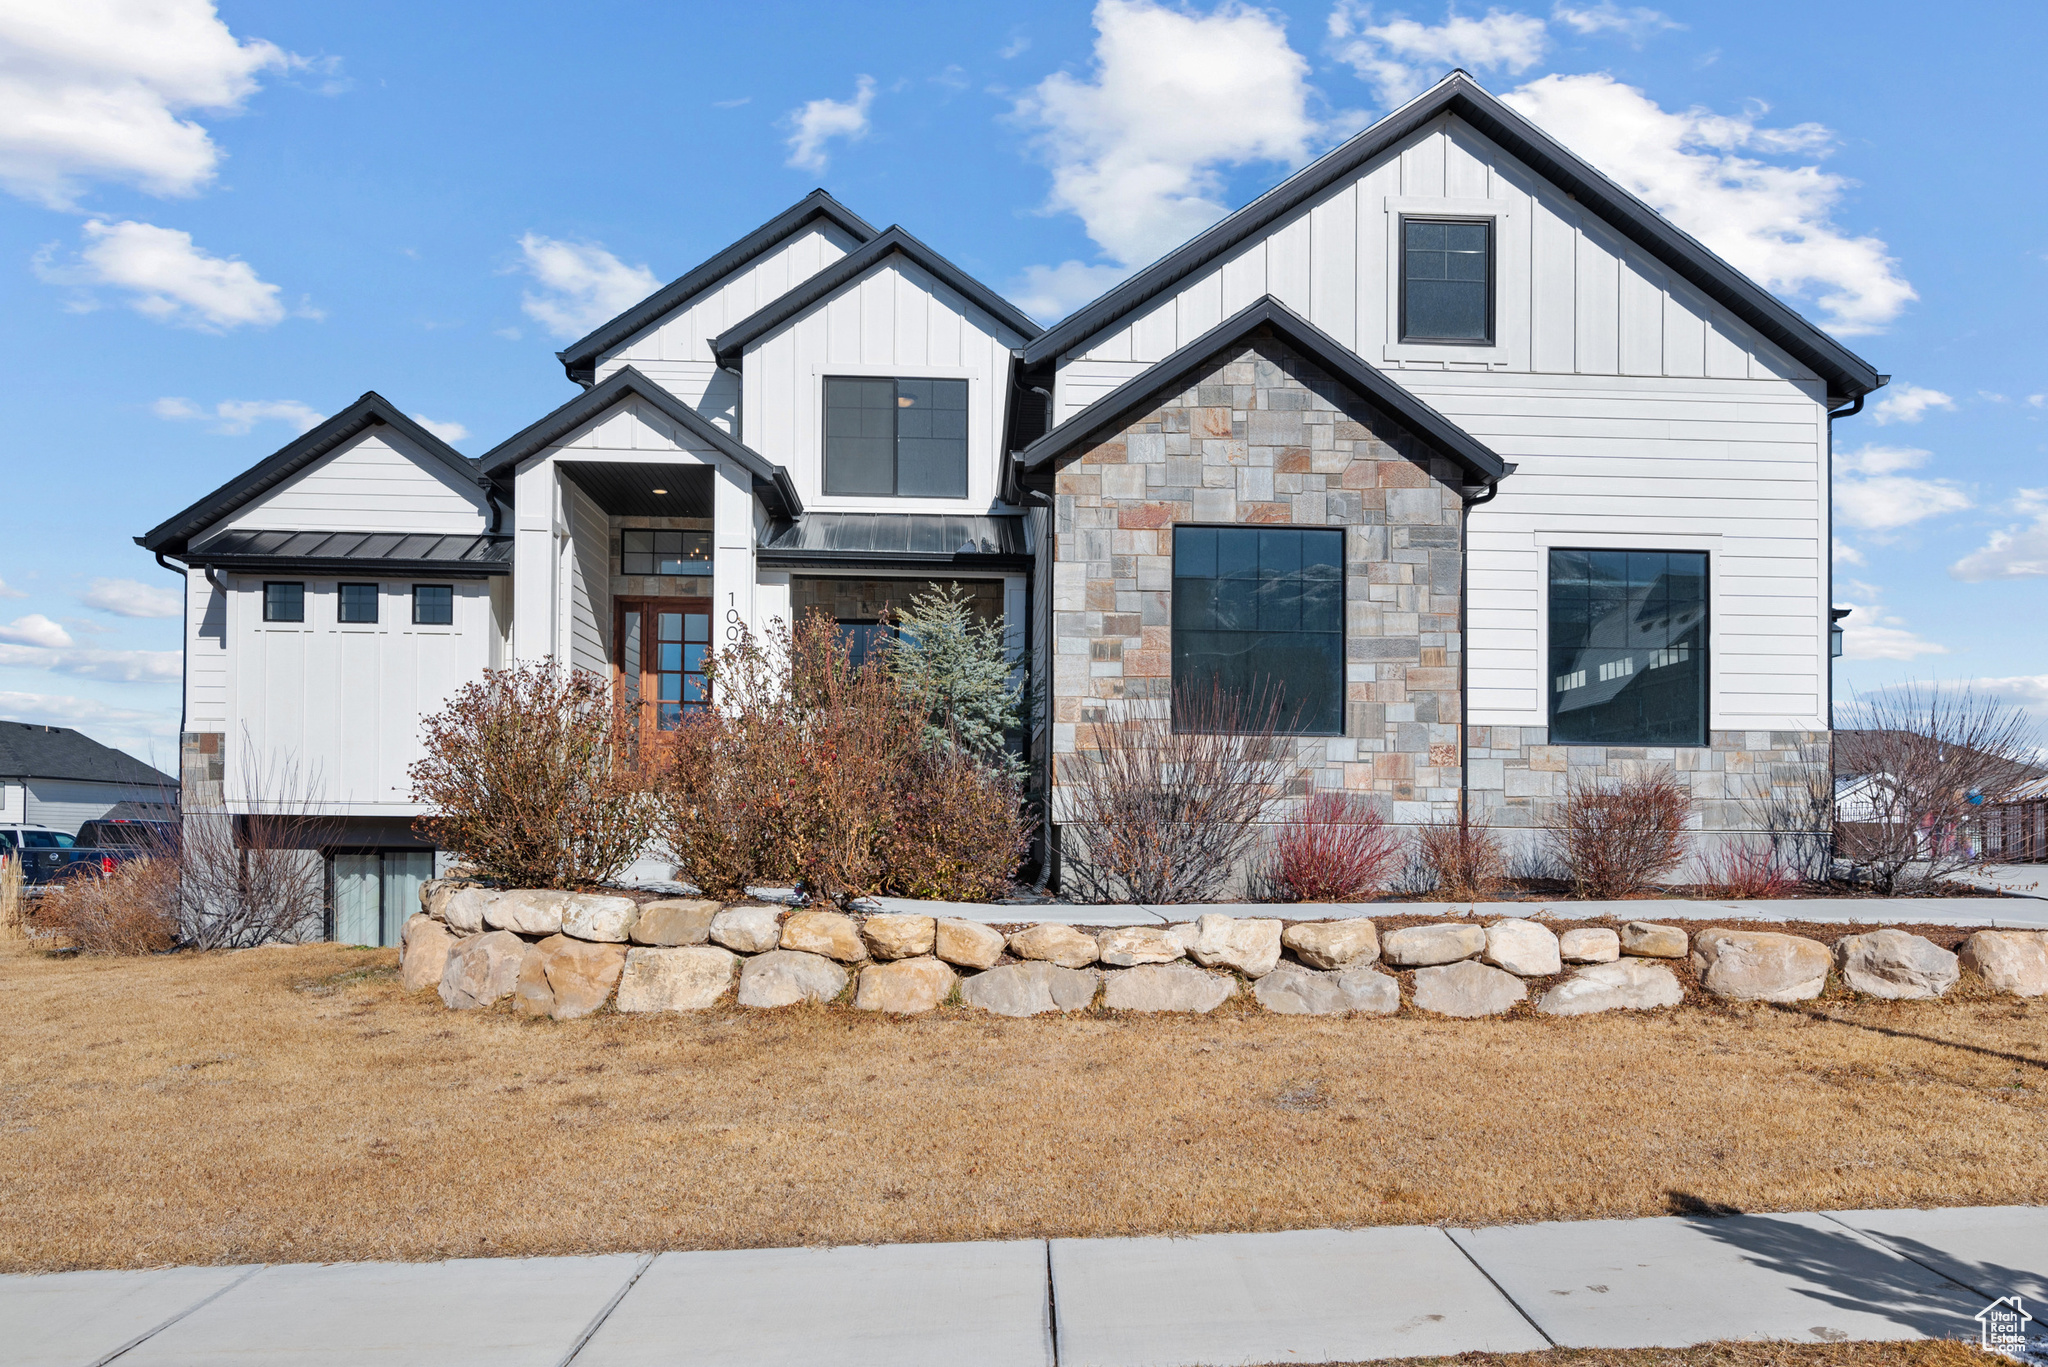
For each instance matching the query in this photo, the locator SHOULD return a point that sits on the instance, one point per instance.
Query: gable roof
(30, 751)
(771, 482)
(729, 344)
(579, 358)
(1847, 374)
(1340, 361)
(372, 410)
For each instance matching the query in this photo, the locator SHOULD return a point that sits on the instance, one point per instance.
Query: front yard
(292, 1104)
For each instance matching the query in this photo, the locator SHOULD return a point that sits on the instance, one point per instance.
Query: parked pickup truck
(49, 856)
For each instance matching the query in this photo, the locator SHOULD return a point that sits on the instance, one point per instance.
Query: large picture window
(901, 438)
(1628, 648)
(1259, 613)
(1447, 280)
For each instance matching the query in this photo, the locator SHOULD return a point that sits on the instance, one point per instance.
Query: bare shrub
(1618, 837)
(130, 909)
(958, 835)
(534, 778)
(13, 897)
(1797, 818)
(1919, 761)
(1165, 803)
(1463, 858)
(1335, 849)
(254, 877)
(1740, 871)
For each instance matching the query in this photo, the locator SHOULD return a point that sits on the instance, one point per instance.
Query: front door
(662, 643)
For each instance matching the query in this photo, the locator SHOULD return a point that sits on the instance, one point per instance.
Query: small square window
(283, 602)
(1447, 280)
(358, 603)
(433, 605)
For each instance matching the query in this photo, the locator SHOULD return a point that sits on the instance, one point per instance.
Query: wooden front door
(661, 644)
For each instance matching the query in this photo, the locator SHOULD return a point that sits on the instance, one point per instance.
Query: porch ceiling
(626, 488)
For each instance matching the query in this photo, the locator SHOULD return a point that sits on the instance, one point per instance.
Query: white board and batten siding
(376, 482)
(675, 352)
(895, 320)
(562, 606)
(1639, 413)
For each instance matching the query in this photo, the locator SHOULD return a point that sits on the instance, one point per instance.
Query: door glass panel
(358, 914)
(629, 652)
(404, 871)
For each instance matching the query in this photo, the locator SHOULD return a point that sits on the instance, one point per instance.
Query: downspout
(1850, 410)
(1048, 544)
(184, 663)
(1465, 644)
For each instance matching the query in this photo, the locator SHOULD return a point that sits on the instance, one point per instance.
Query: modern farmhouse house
(1488, 471)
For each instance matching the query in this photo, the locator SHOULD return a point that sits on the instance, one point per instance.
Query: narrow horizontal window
(1628, 647)
(1258, 615)
(643, 552)
(284, 602)
(433, 605)
(356, 603)
(901, 438)
(1447, 280)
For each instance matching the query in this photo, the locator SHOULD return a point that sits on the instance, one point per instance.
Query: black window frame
(1342, 631)
(896, 435)
(1492, 281)
(687, 541)
(270, 613)
(341, 601)
(420, 621)
(1703, 669)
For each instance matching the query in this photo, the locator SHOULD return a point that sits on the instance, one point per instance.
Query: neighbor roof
(29, 751)
(371, 410)
(771, 481)
(468, 556)
(1848, 375)
(729, 344)
(1340, 361)
(579, 358)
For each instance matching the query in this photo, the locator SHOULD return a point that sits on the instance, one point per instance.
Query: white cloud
(133, 598)
(450, 432)
(819, 121)
(118, 666)
(2037, 400)
(7, 592)
(35, 630)
(1402, 58)
(1869, 632)
(581, 284)
(1635, 23)
(1016, 47)
(1908, 403)
(167, 277)
(1051, 292)
(1846, 554)
(2029, 691)
(1773, 222)
(236, 417)
(2018, 552)
(1137, 147)
(93, 90)
(1874, 496)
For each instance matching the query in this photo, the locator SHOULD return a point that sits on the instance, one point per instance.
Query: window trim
(1403, 335)
(1343, 631)
(416, 605)
(1549, 545)
(376, 603)
(894, 377)
(299, 584)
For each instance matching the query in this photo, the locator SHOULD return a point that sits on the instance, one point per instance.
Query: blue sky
(217, 225)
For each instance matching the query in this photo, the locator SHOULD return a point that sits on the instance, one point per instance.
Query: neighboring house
(53, 776)
(1498, 476)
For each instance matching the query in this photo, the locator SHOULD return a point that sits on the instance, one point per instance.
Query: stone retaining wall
(567, 955)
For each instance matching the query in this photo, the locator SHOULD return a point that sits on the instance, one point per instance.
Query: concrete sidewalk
(1209, 1301)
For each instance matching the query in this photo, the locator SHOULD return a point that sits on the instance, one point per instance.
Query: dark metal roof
(934, 539)
(1847, 374)
(579, 358)
(30, 751)
(729, 344)
(467, 556)
(1342, 363)
(771, 482)
(371, 410)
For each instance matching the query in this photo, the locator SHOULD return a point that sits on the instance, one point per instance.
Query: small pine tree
(956, 667)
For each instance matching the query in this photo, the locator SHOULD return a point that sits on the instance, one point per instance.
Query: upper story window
(1447, 280)
(1628, 648)
(357, 603)
(433, 605)
(651, 552)
(283, 602)
(1258, 613)
(900, 438)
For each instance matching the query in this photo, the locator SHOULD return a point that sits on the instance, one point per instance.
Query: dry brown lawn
(1936, 1354)
(292, 1104)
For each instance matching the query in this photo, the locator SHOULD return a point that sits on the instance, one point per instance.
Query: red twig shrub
(1464, 857)
(1618, 838)
(534, 778)
(131, 910)
(1741, 872)
(1336, 849)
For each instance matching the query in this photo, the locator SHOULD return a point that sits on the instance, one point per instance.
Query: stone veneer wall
(1266, 437)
